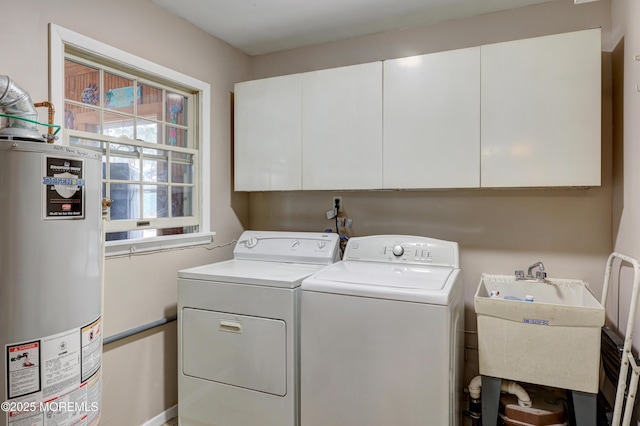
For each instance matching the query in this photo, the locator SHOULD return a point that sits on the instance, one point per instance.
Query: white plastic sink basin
(552, 341)
(556, 302)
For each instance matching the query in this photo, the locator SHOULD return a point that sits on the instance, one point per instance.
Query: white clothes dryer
(238, 330)
(382, 335)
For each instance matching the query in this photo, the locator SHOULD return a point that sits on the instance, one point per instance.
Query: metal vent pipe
(17, 102)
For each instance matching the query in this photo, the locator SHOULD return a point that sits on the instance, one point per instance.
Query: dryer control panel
(403, 249)
(291, 247)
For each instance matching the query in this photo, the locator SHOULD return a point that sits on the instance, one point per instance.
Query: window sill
(156, 244)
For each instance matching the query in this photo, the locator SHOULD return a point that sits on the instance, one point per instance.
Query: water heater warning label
(23, 369)
(91, 349)
(64, 188)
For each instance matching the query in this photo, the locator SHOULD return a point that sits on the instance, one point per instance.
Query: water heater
(50, 284)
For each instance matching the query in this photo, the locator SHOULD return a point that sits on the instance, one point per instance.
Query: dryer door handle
(230, 326)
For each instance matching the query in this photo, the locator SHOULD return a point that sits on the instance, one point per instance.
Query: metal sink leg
(585, 408)
(490, 399)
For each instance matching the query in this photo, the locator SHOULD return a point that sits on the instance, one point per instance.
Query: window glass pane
(118, 125)
(148, 131)
(123, 168)
(119, 93)
(176, 137)
(125, 235)
(125, 148)
(181, 201)
(150, 105)
(81, 83)
(155, 165)
(77, 117)
(174, 231)
(176, 109)
(111, 236)
(88, 144)
(156, 201)
(181, 168)
(70, 112)
(125, 165)
(126, 199)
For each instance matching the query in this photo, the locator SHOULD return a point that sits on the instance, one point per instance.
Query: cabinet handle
(230, 326)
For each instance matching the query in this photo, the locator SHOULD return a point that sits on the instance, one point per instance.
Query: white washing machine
(382, 335)
(238, 330)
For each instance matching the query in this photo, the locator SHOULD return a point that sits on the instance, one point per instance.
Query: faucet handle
(519, 274)
(541, 275)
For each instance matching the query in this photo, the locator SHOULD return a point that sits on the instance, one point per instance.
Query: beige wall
(626, 40)
(140, 373)
(626, 205)
(570, 230)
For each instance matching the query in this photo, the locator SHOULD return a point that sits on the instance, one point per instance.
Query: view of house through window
(146, 130)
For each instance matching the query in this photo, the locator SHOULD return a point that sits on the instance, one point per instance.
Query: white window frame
(58, 38)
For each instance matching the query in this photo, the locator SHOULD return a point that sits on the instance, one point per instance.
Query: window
(146, 136)
(151, 126)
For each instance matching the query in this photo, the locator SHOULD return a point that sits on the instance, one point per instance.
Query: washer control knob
(398, 250)
(251, 242)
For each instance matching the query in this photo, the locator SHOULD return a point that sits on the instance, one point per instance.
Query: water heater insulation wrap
(50, 284)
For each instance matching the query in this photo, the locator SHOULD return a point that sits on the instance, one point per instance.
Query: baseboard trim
(163, 417)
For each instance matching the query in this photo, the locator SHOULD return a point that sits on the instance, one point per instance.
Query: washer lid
(270, 274)
(411, 283)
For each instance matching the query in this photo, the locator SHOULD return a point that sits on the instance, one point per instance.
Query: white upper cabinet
(432, 120)
(342, 128)
(268, 131)
(523, 113)
(541, 111)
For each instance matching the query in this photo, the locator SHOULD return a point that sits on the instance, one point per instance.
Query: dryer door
(244, 351)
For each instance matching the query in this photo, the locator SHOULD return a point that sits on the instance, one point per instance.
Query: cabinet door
(342, 128)
(268, 125)
(541, 111)
(432, 120)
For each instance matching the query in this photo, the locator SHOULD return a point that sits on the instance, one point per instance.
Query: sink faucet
(538, 265)
(540, 273)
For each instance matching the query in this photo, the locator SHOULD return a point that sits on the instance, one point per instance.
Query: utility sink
(553, 340)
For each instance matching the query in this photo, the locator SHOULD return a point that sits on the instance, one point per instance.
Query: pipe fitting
(524, 400)
(513, 388)
(51, 110)
(475, 386)
(16, 102)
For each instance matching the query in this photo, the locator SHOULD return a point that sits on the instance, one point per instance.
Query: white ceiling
(263, 26)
